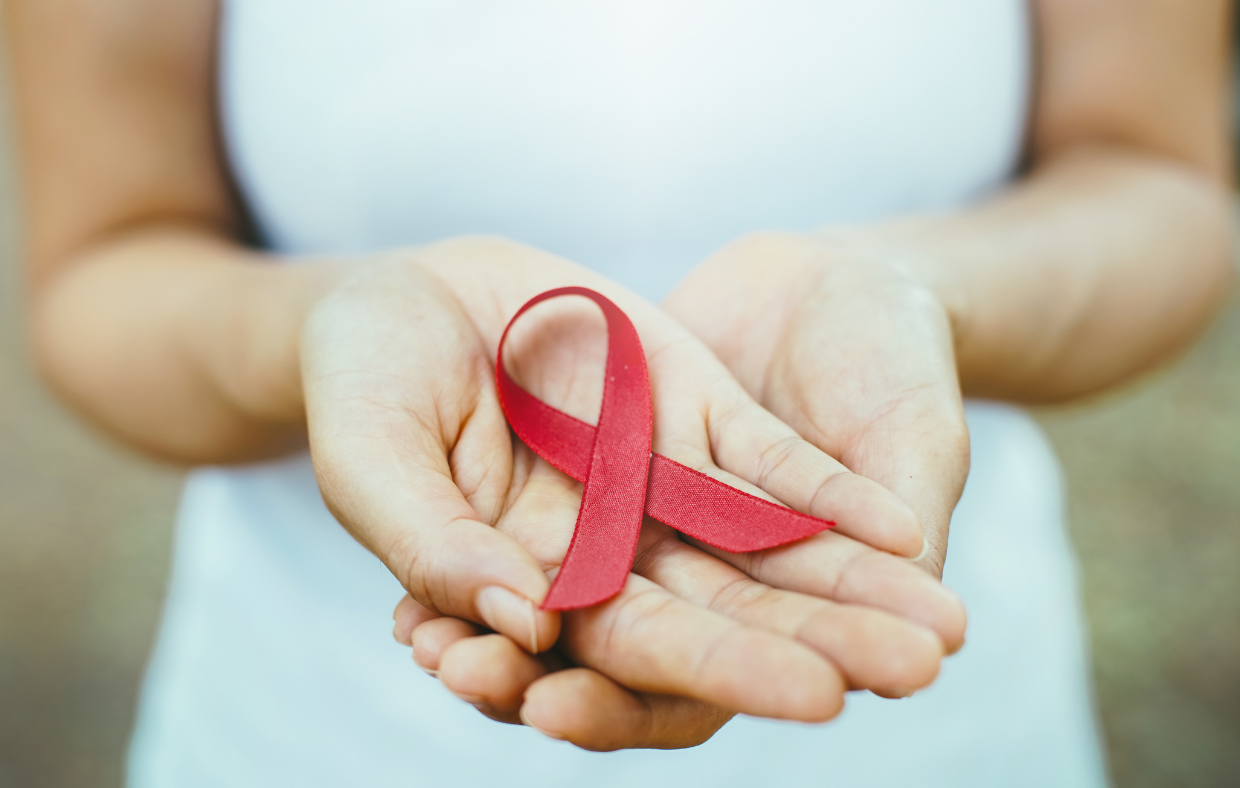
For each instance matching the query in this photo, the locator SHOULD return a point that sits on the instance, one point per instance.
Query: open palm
(414, 456)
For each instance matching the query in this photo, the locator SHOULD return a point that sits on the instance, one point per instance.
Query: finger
(402, 503)
(724, 434)
(748, 441)
(651, 641)
(900, 423)
(832, 566)
(407, 616)
(432, 638)
(400, 449)
(922, 455)
(874, 649)
(755, 445)
(595, 713)
(662, 645)
(491, 673)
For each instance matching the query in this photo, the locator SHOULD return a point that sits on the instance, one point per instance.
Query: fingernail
(506, 612)
(472, 700)
(432, 673)
(526, 722)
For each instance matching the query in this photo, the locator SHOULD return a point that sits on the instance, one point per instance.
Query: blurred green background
(1154, 498)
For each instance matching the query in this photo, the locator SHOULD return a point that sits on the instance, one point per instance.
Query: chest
(616, 130)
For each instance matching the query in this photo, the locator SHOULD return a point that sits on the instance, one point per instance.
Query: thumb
(924, 460)
(397, 496)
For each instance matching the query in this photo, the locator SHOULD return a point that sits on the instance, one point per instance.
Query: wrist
(257, 366)
(913, 260)
(908, 254)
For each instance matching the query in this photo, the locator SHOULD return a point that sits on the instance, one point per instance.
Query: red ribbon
(623, 478)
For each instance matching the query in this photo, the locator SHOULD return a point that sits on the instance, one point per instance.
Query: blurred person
(852, 215)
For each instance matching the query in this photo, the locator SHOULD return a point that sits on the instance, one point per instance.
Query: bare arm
(147, 316)
(1106, 258)
(1115, 251)
(157, 324)
(1060, 287)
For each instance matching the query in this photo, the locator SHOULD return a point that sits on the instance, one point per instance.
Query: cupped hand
(845, 336)
(409, 450)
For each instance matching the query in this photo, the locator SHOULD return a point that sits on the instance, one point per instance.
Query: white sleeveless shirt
(636, 137)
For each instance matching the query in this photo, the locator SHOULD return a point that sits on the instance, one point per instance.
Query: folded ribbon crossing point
(623, 478)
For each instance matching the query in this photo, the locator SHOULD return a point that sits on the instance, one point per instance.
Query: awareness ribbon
(623, 478)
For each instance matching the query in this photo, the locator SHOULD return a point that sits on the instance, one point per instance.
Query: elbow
(114, 374)
(1211, 214)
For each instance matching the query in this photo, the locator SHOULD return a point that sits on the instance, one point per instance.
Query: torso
(634, 136)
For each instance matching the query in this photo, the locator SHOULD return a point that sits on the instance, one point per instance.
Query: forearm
(1095, 268)
(179, 342)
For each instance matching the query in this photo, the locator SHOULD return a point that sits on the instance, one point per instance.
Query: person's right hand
(414, 457)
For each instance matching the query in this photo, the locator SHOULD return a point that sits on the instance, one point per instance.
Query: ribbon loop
(623, 478)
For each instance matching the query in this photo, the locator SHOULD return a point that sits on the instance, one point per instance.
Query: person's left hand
(845, 336)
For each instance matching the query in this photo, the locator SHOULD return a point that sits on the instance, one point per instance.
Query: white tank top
(634, 136)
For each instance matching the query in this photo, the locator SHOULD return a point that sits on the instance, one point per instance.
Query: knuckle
(772, 459)
(408, 559)
(822, 490)
(844, 575)
(653, 552)
(622, 619)
(416, 559)
(704, 673)
(736, 596)
(720, 417)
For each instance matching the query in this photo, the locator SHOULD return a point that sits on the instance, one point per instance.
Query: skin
(148, 316)
(180, 341)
